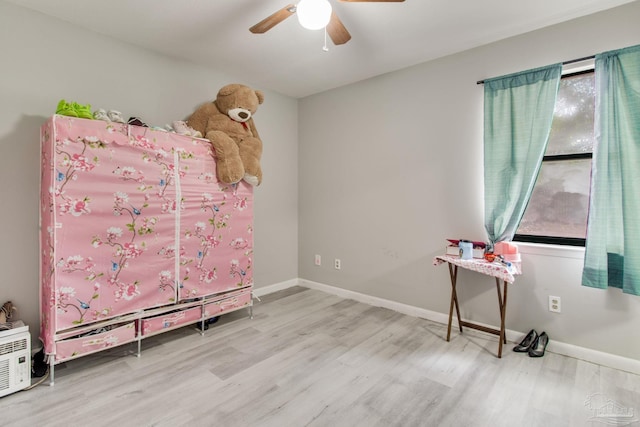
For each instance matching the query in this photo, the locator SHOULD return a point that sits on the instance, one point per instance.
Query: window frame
(556, 240)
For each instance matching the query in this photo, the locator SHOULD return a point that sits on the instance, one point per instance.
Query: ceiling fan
(314, 15)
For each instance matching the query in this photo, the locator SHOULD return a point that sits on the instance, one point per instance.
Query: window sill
(556, 251)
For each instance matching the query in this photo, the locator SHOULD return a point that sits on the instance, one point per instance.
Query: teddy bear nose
(243, 115)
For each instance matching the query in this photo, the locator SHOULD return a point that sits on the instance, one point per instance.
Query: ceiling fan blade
(337, 30)
(372, 1)
(274, 19)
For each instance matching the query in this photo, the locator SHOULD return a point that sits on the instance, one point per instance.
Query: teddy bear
(228, 124)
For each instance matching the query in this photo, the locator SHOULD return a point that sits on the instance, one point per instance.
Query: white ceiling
(289, 59)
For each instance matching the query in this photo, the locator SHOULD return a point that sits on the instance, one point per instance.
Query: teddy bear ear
(260, 96)
(228, 89)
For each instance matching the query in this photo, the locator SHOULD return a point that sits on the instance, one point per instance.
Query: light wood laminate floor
(313, 359)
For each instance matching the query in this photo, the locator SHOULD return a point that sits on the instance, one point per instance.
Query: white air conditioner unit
(15, 359)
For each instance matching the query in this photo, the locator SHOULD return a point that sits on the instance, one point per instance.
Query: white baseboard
(409, 310)
(265, 290)
(570, 350)
(597, 357)
(378, 302)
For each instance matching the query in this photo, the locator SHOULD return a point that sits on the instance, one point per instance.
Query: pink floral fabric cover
(494, 269)
(131, 219)
(72, 348)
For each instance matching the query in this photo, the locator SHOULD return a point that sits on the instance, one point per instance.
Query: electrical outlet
(318, 260)
(555, 304)
(337, 264)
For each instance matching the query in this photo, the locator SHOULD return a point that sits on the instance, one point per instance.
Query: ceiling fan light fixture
(313, 14)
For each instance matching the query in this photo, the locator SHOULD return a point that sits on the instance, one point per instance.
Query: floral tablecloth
(495, 269)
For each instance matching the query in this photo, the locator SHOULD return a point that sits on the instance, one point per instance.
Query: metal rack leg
(253, 296)
(51, 369)
(139, 336)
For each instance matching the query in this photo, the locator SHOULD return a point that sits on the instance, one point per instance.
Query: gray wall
(45, 60)
(392, 166)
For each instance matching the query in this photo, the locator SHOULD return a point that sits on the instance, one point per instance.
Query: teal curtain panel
(518, 111)
(612, 254)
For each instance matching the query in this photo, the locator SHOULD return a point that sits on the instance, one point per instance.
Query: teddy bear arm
(250, 153)
(253, 129)
(229, 167)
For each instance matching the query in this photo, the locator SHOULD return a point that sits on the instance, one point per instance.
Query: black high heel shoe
(527, 342)
(539, 346)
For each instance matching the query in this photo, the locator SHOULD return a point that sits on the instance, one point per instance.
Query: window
(558, 208)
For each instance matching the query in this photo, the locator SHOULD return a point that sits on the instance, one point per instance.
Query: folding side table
(502, 273)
